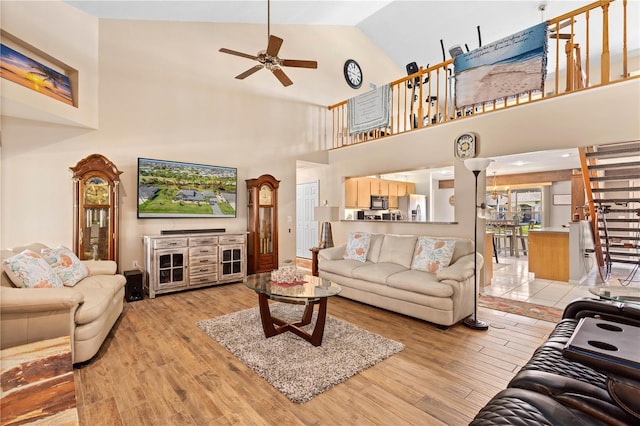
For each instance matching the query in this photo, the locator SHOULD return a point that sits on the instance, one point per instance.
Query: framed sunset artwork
(27, 72)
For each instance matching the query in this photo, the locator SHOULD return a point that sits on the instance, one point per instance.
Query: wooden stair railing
(611, 176)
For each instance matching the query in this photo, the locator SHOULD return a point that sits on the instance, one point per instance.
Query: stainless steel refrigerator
(413, 207)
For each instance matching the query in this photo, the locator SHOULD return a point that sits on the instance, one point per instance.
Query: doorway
(307, 195)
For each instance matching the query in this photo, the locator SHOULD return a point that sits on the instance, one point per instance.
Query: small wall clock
(465, 146)
(353, 74)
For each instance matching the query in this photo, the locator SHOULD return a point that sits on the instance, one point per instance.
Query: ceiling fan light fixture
(269, 59)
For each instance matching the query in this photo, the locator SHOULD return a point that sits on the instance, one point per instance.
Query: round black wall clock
(353, 74)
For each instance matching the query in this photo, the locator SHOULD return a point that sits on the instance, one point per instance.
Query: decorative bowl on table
(287, 276)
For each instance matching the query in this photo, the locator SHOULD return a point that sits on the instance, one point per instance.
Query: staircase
(611, 175)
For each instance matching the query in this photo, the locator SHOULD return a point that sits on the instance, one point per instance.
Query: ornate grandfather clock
(95, 208)
(262, 217)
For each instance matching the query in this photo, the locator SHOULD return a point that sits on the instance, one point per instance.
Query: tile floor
(512, 280)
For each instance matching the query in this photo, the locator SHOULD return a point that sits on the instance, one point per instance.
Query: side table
(314, 260)
(617, 294)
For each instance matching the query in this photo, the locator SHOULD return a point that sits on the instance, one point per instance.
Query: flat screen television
(170, 189)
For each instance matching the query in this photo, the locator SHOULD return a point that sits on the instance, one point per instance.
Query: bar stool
(502, 239)
(524, 238)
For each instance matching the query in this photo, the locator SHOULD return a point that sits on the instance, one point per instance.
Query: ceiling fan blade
(299, 63)
(280, 75)
(248, 72)
(234, 52)
(274, 46)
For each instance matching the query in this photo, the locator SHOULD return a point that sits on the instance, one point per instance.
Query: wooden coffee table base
(273, 326)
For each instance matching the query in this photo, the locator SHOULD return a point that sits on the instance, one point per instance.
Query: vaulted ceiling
(406, 31)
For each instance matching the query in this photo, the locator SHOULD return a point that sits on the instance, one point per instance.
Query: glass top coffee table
(617, 294)
(310, 292)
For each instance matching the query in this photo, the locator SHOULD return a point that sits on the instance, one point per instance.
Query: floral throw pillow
(28, 269)
(432, 254)
(357, 246)
(66, 264)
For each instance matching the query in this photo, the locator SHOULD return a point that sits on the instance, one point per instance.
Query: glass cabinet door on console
(232, 261)
(262, 217)
(95, 187)
(171, 265)
(232, 257)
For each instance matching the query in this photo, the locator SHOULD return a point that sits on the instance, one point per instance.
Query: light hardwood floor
(157, 368)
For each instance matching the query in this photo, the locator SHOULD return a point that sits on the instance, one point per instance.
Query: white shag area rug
(292, 365)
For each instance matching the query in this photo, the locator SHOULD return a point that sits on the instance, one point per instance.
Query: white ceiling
(405, 30)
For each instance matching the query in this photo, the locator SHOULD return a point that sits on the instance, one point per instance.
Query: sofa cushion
(398, 249)
(420, 282)
(343, 267)
(66, 264)
(464, 246)
(357, 246)
(112, 283)
(28, 269)
(96, 302)
(377, 272)
(432, 254)
(374, 247)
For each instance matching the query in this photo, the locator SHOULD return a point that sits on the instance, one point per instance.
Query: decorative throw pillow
(357, 246)
(66, 264)
(28, 269)
(432, 255)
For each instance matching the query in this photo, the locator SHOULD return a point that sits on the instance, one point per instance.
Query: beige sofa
(386, 279)
(86, 312)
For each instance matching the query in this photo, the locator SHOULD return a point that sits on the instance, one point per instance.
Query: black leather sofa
(553, 389)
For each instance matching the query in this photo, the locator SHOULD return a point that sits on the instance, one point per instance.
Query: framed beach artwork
(505, 68)
(19, 68)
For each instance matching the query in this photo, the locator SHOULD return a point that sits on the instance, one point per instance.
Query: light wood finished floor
(158, 368)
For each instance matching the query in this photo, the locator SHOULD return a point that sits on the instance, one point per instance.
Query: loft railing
(575, 54)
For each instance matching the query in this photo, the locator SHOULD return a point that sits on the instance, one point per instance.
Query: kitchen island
(549, 253)
(563, 253)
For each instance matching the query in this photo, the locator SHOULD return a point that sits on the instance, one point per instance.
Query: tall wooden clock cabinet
(96, 182)
(262, 217)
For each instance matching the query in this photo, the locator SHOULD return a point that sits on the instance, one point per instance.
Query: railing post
(420, 98)
(605, 57)
(568, 49)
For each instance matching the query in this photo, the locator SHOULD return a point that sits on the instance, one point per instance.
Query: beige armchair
(85, 312)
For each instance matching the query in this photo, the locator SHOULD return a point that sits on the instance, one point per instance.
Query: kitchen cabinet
(379, 187)
(364, 193)
(358, 191)
(393, 195)
(351, 193)
(405, 188)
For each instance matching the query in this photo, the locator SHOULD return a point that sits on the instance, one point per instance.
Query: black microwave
(379, 202)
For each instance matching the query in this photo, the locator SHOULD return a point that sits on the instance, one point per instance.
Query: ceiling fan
(269, 58)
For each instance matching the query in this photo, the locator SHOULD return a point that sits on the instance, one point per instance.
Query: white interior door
(306, 228)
